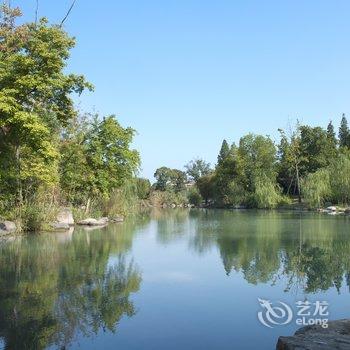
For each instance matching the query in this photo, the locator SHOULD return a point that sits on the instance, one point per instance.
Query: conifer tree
(344, 134)
(224, 152)
(331, 133)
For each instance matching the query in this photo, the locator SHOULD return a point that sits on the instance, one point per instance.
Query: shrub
(122, 201)
(35, 215)
(194, 197)
(168, 198)
(143, 188)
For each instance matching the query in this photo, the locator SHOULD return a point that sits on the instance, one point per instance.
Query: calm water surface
(171, 280)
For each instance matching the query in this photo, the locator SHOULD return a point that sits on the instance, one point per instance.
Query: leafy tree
(169, 179)
(178, 179)
(305, 151)
(163, 178)
(197, 168)
(256, 158)
(344, 133)
(97, 158)
(206, 186)
(34, 101)
(315, 150)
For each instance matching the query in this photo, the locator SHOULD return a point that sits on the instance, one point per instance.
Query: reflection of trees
(50, 291)
(54, 287)
(317, 268)
(171, 224)
(311, 251)
(98, 303)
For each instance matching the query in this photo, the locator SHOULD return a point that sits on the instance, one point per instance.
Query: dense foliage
(47, 151)
(309, 165)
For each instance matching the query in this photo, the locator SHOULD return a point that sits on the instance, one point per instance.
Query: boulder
(336, 336)
(103, 221)
(7, 227)
(332, 208)
(65, 216)
(88, 222)
(93, 222)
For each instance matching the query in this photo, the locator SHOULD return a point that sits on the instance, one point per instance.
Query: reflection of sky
(169, 276)
(187, 301)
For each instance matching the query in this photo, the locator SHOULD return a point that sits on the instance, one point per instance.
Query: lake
(173, 279)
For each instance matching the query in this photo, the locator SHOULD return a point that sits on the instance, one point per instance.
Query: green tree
(97, 158)
(206, 186)
(332, 141)
(316, 188)
(163, 178)
(179, 179)
(339, 178)
(315, 150)
(226, 170)
(224, 152)
(291, 158)
(256, 158)
(169, 179)
(267, 194)
(34, 101)
(331, 134)
(344, 133)
(329, 184)
(197, 168)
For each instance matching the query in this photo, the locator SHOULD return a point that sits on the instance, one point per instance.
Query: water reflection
(310, 251)
(54, 287)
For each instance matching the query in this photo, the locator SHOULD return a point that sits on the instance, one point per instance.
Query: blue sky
(186, 74)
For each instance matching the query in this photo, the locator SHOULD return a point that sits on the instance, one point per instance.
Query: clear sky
(186, 74)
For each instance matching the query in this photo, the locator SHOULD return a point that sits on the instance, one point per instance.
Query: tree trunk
(87, 208)
(19, 180)
(298, 183)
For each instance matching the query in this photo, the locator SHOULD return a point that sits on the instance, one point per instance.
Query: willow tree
(35, 101)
